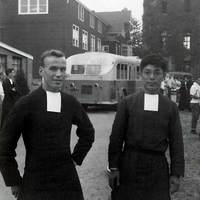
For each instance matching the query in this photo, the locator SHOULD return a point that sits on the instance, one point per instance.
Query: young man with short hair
(45, 118)
(146, 123)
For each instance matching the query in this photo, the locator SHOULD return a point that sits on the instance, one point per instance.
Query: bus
(98, 78)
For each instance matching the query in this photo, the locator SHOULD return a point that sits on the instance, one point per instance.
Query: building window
(187, 5)
(75, 35)
(99, 27)
(164, 39)
(164, 6)
(105, 48)
(92, 42)
(85, 40)
(80, 12)
(124, 50)
(92, 21)
(17, 63)
(187, 41)
(99, 44)
(3, 62)
(33, 6)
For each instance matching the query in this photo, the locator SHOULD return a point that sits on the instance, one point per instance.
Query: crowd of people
(187, 92)
(178, 90)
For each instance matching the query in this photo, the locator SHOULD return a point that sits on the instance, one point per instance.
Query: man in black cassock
(145, 125)
(45, 118)
(10, 94)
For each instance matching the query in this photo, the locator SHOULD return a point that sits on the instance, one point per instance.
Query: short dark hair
(52, 52)
(154, 59)
(9, 70)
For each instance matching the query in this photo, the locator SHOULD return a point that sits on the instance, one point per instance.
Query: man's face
(53, 73)
(11, 74)
(152, 77)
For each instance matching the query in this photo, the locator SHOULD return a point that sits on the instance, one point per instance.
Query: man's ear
(41, 70)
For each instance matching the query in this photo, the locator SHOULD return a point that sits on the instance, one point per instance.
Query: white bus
(97, 78)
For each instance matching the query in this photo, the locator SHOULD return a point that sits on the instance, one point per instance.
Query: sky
(136, 6)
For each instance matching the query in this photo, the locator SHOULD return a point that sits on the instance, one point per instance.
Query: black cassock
(49, 172)
(137, 148)
(9, 100)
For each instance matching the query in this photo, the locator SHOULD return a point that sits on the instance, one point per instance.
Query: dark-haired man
(45, 118)
(146, 123)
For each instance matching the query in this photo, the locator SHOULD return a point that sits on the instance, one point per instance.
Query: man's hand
(16, 190)
(174, 182)
(113, 177)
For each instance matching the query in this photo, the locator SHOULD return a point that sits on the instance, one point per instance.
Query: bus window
(129, 72)
(118, 71)
(125, 71)
(138, 72)
(122, 71)
(77, 69)
(93, 69)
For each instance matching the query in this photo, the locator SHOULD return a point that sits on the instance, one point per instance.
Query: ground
(93, 174)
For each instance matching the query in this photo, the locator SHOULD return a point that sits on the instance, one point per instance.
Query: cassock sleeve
(9, 136)
(117, 135)
(176, 147)
(84, 131)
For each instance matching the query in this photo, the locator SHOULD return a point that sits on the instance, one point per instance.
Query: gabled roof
(92, 12)
(5, 46)
(116, 19)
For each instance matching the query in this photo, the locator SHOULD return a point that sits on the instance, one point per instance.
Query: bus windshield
(93, 69)
(78, 69)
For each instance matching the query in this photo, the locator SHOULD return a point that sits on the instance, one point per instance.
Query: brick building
(117, 36)
(34, 26)
(13, 58)
(172, 28)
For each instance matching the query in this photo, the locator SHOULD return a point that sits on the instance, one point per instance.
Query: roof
(116, 19)
(106, 60)
(92, 12)
(5, 46)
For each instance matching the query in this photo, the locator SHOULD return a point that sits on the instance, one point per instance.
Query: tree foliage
(136, 37)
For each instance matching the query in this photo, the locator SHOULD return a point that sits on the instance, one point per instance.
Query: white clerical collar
(11, 81)
(53, 101)
(151, 102)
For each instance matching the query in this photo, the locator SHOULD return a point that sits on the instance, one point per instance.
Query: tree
(136, 37)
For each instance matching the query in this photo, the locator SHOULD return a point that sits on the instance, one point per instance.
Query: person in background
(188, 83)
(145, 125)
(163, 87)
(21, 85)
(44, 118)
(177, 89)
(10, 94)
(194, 104)
(183, 95)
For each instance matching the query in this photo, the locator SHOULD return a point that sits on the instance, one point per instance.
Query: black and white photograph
(99, 100)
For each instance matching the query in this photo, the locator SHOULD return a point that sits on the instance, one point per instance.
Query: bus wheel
(85, 106)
